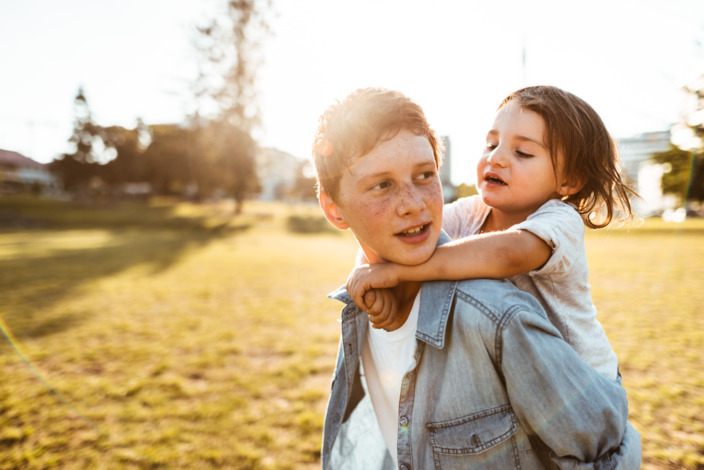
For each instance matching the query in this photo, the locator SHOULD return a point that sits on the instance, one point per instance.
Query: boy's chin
(409, 255)
(412, 259)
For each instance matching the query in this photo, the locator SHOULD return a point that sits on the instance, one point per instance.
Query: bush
(307, 224)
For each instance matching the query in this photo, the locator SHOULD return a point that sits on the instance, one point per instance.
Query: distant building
(20, 173)
(448, 189)
(277, 171)
(635, 154)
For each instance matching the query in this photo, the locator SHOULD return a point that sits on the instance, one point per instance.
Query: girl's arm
(495, 255)
(380, 304)
(382, 309)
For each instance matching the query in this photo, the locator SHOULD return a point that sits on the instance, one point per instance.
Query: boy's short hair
(350, 129)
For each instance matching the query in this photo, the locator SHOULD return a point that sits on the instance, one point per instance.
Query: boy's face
(391, 199)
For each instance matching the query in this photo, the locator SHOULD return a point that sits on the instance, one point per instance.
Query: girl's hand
(365, 277)
(382, 308)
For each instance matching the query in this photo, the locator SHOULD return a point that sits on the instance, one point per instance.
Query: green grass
(178, 336)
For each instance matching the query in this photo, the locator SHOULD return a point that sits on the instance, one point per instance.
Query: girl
(548, 169)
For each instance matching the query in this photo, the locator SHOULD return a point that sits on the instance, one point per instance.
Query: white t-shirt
(562, 284)
(386, 357)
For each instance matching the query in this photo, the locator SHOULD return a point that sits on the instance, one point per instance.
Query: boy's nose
(409, 200)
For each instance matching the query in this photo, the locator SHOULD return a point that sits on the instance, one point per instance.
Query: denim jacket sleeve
(580, 415)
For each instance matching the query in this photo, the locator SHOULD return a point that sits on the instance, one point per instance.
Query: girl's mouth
(494, 179)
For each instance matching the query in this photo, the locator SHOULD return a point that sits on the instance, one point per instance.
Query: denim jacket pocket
(475, 433)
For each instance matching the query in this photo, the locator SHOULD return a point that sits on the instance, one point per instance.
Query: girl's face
(515, 175)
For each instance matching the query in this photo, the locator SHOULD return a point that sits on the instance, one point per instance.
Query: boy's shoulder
(496, 296)
(491, 302)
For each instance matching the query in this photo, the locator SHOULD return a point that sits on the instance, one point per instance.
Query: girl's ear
(572, 184)
(332, 211)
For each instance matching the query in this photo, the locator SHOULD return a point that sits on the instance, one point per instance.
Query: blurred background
(164, 267)
(163, 69)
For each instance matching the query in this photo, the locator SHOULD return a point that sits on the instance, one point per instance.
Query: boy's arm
(582, 420)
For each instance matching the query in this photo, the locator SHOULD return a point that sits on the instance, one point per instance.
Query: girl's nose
(497, 157)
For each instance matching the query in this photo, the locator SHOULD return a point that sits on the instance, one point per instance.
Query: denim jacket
(492, 386)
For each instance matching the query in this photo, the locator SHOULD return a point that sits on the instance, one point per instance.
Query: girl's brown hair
(350, 129)
(575, 131)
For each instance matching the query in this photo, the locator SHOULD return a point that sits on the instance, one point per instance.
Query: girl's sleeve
(561, 227)
(464, 217)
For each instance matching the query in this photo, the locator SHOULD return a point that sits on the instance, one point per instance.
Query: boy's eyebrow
(521, 137)
(385, 174)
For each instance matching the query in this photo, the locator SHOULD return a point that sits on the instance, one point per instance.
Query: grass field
(175, 336)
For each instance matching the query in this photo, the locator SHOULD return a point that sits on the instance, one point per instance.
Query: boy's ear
(572, 185)
(332, 211)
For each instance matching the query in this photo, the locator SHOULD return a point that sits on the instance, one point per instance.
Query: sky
(458, 59)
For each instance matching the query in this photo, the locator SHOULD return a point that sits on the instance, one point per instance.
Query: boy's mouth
(413, 231)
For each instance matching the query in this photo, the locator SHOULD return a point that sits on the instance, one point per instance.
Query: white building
(448, 189)
(18, 173)
(277, 171)
(635, 154)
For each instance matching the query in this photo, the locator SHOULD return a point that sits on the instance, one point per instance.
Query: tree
(128, 145)
(684, 173)
(305, 185)
(696, 118)
(465, 190)
(684, 161)
(226, 95)
(232, 153)
(230, 45)
(169, 159)
(80, 168)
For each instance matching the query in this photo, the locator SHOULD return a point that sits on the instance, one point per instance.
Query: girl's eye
(523, 154)
(490, 145)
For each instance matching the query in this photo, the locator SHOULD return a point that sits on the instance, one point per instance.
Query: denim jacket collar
(432, 322)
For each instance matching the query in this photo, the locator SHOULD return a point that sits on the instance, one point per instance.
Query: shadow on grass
(93, 244)
(38, 282)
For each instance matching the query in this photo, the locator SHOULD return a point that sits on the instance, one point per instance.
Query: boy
(475, 375)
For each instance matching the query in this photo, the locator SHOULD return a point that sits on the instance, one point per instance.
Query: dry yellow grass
(197, 341)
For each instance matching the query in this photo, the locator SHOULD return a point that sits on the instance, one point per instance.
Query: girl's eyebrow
(494, 133)
(528, 139)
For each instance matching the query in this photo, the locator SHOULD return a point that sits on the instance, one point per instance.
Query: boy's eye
(426, 175)
(382, 185)
(490, 145)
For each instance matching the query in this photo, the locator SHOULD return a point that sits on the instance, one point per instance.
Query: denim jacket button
(403, 421)
(403, 467)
